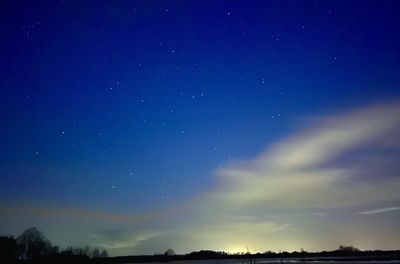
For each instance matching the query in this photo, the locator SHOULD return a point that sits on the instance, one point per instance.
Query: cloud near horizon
(340, 162)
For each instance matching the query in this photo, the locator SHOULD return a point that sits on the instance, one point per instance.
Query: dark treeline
(343, 253)
(33, 247)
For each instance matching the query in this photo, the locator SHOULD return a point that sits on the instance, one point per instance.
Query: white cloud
(320, 168)
(379, 211)
(317, 168)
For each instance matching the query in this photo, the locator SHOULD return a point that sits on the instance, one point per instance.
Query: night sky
(138, 126)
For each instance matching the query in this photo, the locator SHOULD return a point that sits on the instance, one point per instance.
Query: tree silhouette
(169, 252)
(86, 251)
(96, 253)
(348, 249)
(104, 253)
(32, 243)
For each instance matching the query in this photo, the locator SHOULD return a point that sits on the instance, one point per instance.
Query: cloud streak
(320, 167)
(379, 211)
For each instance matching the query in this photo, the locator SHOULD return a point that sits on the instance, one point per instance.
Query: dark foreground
(208, 257)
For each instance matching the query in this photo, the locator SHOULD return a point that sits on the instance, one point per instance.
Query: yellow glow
(236, 249)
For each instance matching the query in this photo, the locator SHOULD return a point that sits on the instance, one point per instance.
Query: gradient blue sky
(115, 111)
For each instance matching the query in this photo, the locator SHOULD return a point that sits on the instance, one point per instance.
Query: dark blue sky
(130, 106)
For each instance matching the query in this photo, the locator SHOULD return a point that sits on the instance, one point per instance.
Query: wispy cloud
(49, 212)
(114, 239)
(54, 212)
(320, 167)
(320, 214)
(344, 160)
(379, 211)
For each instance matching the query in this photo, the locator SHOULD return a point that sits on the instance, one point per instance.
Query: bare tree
(96, 253)
(104, 253)
(32, 243)
(86, 251)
